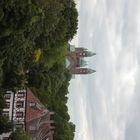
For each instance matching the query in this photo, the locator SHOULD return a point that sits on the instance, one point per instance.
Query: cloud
(78, 108)
(108, 106)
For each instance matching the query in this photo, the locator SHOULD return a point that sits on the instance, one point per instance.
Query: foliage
(33, 46)
(36, 56)
(5, 125)
(20, 134)
(52, 91)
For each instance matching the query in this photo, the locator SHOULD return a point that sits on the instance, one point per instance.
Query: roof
(38, 118)
(82, 62)
(32, 113)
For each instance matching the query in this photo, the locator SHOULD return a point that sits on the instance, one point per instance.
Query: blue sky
(106, 105)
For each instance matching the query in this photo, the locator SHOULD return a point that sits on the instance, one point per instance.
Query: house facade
(26, 111)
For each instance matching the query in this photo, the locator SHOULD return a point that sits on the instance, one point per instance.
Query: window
(19, 104)
(6, 113)
(32, 128)
(7, 105)
(32, 104)
(19, 114)
(7, 96)
(19, 125)
(21, 94)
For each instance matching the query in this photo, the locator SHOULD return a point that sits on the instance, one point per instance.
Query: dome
(82, 62)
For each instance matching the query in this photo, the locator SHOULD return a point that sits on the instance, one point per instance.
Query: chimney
(35, 105)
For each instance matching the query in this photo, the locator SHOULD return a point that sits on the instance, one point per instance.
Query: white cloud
(78, 109)
(112, 29)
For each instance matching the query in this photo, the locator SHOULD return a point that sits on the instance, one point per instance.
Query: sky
(106, 105)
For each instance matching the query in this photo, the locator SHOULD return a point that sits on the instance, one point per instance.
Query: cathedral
(75, 60)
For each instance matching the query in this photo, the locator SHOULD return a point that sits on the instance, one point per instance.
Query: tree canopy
(33, 46)
(19, 134)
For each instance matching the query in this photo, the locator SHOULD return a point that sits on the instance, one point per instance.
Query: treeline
(33, 45)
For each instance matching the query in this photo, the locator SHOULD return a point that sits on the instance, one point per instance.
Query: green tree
(45, 25)
(5, 125)
(20, 134)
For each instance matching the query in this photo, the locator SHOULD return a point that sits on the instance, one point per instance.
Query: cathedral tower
(82, 52)
(75, 60)
(82, 71)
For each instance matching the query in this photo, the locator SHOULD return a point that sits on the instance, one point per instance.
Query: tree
(33, 46)
(20, 134)
(5, 125)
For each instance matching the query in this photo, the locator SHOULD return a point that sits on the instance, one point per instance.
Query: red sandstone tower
(75, 60)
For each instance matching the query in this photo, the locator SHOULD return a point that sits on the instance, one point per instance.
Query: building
(26, 111)
(75, 60)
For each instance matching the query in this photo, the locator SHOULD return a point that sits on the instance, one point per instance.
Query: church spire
(91, 71)
(89, 53)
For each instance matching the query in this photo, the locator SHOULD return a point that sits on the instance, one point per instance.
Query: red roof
(32, 113)
(38, 118)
